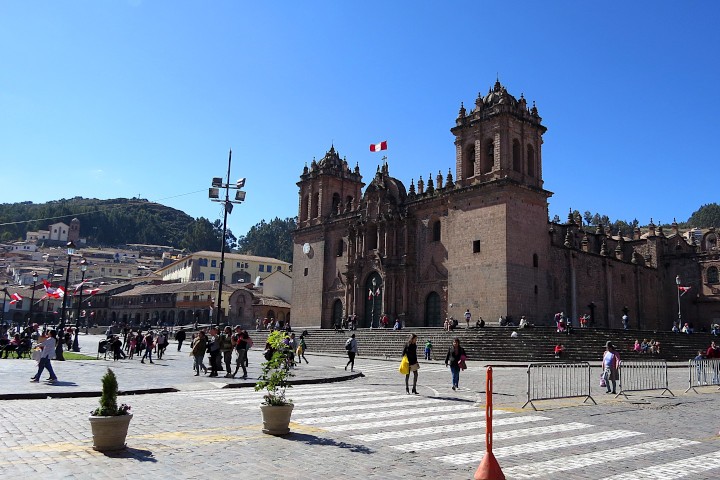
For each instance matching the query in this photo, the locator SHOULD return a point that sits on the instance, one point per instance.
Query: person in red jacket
(713, 351)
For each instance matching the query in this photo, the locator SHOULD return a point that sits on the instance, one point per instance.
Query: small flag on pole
(683, 290)
(370, 294)
(16, 297)
(376, 147)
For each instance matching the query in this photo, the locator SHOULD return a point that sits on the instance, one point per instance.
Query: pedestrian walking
(611, 364)
(226, 349)
(410, 351)
(48, 353)
(301, 350)
(455, 359)
(293, 345)
(240, 341)
(161, 344)
(180, 337)
(199, 345)
(213, 346)
(351, 346)
(468, 316)
(148, 342)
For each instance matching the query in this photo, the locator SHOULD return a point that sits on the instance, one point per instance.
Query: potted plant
(276, 408)
(109, 422)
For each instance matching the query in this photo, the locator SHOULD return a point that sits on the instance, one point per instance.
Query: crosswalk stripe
(406, 421)
(409, 413)
(451, 428)
(358, 407)
(480, 438)
(322, 398)
(381, 397)
(677, 469)
(544, 445)
(251, 391)
(609, 456)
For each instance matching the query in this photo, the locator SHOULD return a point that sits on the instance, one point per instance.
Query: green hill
(103, 222)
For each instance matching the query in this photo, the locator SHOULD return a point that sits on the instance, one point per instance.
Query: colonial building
(480, 239)
(205, 265)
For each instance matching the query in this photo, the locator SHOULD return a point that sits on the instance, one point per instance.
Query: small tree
(108, 400)
(276, 371)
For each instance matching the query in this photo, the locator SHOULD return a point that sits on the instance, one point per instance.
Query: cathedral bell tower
(500, 138)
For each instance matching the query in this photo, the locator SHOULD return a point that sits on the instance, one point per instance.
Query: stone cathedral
(479, 238)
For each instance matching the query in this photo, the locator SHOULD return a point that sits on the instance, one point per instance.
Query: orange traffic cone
(489, 469)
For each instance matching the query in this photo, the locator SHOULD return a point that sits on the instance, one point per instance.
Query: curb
(307, 381)
(41, 395)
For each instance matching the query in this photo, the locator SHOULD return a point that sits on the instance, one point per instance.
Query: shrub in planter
(110, 422)
(276, 407)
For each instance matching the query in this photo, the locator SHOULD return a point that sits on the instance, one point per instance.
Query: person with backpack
(455, 359)
(199, 345)
(351, 346)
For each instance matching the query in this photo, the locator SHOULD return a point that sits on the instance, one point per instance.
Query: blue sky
(111, 99)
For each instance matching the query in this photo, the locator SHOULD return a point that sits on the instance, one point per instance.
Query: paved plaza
(354, 427)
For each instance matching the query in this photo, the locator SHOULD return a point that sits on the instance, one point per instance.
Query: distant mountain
(102, 222)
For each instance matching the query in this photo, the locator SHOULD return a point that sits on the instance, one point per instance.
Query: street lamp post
(214, 195)
(32, 298)
(678, 283)
(60, 334)
(83, 269)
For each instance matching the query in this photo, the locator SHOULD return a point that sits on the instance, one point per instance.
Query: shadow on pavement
(135, 453)
(328, 442)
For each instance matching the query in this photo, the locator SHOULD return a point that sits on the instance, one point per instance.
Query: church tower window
(531, 161)
(517, 156)
(469, 162)
(436, 231)
(336, 203)
(316, 205)
(304, 207)
(489, 160)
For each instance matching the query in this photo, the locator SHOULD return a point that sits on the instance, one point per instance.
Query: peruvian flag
(683, 290)
(79, 286)
(377, 292)
(370, 294)
(91, 291)
(16, 297)
(53, 292)
(376, 147)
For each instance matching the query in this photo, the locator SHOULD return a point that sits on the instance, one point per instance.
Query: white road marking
(408, 421)
(677, 469)
(408, 413)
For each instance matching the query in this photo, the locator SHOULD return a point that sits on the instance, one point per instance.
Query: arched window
(711, 242)
(348, 203)
(340, 248)
(436, 231)
(712, 276)
(517, 156)
(469, 162)
(336, 204)
(531, 161)
(433, 316)
(489, 160)
(304, 207)
(535, 260)
(316, 205)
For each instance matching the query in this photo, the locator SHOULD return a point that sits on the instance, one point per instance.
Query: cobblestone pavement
(370, 428)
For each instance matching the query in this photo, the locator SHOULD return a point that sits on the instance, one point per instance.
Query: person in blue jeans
(48, 353)
(455, 359)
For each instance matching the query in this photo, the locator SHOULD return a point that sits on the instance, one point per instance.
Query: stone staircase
(494, 343)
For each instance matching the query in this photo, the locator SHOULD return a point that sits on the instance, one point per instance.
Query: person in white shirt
(48, 353)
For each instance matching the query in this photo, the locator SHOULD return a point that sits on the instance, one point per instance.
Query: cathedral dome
(499, 95)
(387, 187)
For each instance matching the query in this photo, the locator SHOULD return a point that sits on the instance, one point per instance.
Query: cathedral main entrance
(373, 301)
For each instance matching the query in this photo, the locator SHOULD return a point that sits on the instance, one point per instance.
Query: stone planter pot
(109, 433)
(276, 419)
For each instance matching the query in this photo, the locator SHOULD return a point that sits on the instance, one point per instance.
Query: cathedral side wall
(477, 279)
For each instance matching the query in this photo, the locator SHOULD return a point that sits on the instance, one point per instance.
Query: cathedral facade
(480, 239)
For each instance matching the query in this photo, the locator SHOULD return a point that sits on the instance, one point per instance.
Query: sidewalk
(82, 378)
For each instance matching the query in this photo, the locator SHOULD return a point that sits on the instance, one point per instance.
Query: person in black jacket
(180, 337)
(410, 351)
(455, 359)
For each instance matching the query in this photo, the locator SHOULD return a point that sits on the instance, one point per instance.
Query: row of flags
(53, 292)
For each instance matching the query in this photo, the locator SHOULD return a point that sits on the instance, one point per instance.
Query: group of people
(651, 347)
(455, 359)
(220, 348)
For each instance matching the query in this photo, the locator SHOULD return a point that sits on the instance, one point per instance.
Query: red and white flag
(376, 147)
(683, 290)
(377, 292)
(53, 292)
(370, 294)
(91, 291)
(16, 297)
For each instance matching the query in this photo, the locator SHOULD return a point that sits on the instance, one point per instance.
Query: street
(366, 427)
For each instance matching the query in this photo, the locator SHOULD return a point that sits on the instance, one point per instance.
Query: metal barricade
(547, 381)
(638, 375)
(703, 373)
